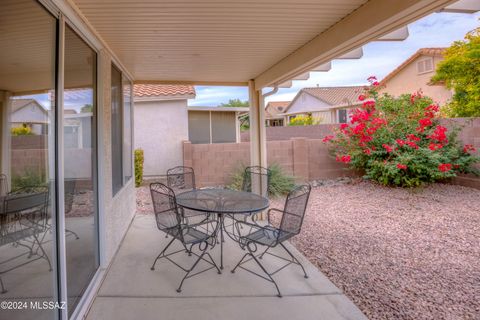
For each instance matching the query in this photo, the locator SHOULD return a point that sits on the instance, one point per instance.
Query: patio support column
(258, 141)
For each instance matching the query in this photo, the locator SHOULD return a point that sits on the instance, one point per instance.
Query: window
(121, 130)
(425, 66)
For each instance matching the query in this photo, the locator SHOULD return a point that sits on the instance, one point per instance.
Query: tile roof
(274, 108)
(18, 104)
(431, 52)
(337, 95)
(155, 90)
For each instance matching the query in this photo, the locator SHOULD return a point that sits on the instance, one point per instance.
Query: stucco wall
(408, 81)
(118, 211)
(160, 128)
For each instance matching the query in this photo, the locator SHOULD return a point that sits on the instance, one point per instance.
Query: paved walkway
(132, 291)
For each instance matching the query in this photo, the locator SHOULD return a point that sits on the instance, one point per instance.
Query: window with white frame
(121, 130)
(425, 65)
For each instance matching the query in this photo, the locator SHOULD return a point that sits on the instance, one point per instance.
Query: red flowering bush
(399, 141)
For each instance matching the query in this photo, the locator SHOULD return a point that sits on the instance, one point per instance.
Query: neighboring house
(30, 113)
(414, 74)
(161, 124)
(273, 113)
(327, 104)
(214, 124)
(163, 120)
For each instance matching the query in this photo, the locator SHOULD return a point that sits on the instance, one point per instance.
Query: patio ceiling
(231, 42)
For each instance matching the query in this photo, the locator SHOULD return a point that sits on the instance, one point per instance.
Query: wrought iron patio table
(223, 202)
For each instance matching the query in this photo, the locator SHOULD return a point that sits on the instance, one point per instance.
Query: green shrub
(28, 179)
(304, 120)
(21, 131)
(400, 142)
(280, 183)
(138, 167)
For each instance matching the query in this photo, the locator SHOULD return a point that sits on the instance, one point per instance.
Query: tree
(235, 103)
(461, 72)
(87, 108)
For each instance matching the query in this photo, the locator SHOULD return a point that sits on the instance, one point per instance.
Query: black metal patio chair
(270, 236)
(3, 184)
(254, 174)
(170, 220)
(23, 219)
(182, 179)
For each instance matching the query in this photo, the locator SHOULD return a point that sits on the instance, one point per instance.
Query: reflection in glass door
(81, 223)
(27, 143)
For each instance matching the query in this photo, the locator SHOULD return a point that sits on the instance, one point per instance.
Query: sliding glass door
(32, 123)
(28, 272)
(79, 135)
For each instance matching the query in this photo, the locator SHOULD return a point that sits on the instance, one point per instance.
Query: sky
(379, 59)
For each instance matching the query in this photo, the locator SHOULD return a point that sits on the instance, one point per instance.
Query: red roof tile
(155, 90)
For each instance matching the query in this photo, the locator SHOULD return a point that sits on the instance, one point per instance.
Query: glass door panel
(27, 159)
(81, 223)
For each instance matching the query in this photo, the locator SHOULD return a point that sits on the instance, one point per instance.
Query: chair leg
(239, 263)
(161, 253)
(72, 232)
(43, 252)
(295, 260)
(261, 256)
(213, 262)
(191, 269)
(3, 288)
(265, 271)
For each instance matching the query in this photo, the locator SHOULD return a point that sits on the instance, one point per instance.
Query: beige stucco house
(326, 104)
(414, 74)
(163, 120)
(273, 113)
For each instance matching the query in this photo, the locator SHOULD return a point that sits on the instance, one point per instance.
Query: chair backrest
(165, 208)
(254, 174)
(3, 185)
(24, 214)
(295, 208)
(181, 178)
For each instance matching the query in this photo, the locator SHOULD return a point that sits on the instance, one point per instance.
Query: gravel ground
(397, 253)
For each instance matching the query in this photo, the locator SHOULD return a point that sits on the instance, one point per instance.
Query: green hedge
(138, 167)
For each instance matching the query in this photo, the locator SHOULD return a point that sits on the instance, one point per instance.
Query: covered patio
(81, 58)
(131, 290)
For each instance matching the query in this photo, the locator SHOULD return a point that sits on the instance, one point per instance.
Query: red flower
(435, 146)
(327, 138)
(343, 126)
(376, 83)
(387, 147)
(411, 144)
(439, 134)
(415, 96)
(402, 166)
(400, 142)
(413, 137)
(425, 122)
(433, 108)
(369, 104)
(371, 130)
(361, 97)
(344, 159)
(444, 167)
(367, 152)
(469, 147)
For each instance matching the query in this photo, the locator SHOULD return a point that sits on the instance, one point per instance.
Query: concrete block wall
(305, 159)
(300, 152)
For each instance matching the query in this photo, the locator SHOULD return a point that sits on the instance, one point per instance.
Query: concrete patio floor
(132, 291)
